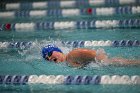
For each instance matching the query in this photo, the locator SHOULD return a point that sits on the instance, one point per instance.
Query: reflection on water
(41, 88)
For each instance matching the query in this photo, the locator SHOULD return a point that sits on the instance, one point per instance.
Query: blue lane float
(19, 45)
(77, 80)
(13, 80)
(86, 80)
(125, 43)
(53, 4)
(2, 77)
(26, 5)
(16, 79)
(68, 80)
(7, 80)
(95, 80)
(107, 2)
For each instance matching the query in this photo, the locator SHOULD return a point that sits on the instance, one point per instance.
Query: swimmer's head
(48, 50)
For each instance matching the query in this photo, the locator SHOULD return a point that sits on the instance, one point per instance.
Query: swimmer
(80, 57)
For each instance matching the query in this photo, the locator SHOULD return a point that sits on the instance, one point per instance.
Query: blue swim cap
(47, 50)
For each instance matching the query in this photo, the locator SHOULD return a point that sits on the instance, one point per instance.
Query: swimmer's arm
(78, 57)
(102, 56)
(122, 61)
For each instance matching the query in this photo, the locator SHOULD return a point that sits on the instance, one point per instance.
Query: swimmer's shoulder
(81, 54)
(83, 50)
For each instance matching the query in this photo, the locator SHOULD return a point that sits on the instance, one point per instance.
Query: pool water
(28, 61)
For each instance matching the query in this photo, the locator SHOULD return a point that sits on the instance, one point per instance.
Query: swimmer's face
(56, 57)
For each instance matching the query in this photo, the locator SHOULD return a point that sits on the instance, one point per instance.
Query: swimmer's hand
(101, 55)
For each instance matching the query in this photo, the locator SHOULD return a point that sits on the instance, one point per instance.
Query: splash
(34, 52)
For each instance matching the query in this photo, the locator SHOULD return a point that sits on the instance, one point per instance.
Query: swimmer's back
(81, 56)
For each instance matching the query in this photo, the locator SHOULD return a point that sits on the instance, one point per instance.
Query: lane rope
(72, 12)
(115, 43)
(69, 79)
(61, 4)
(93, 24)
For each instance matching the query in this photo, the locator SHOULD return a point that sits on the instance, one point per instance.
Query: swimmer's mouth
(54, 59)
